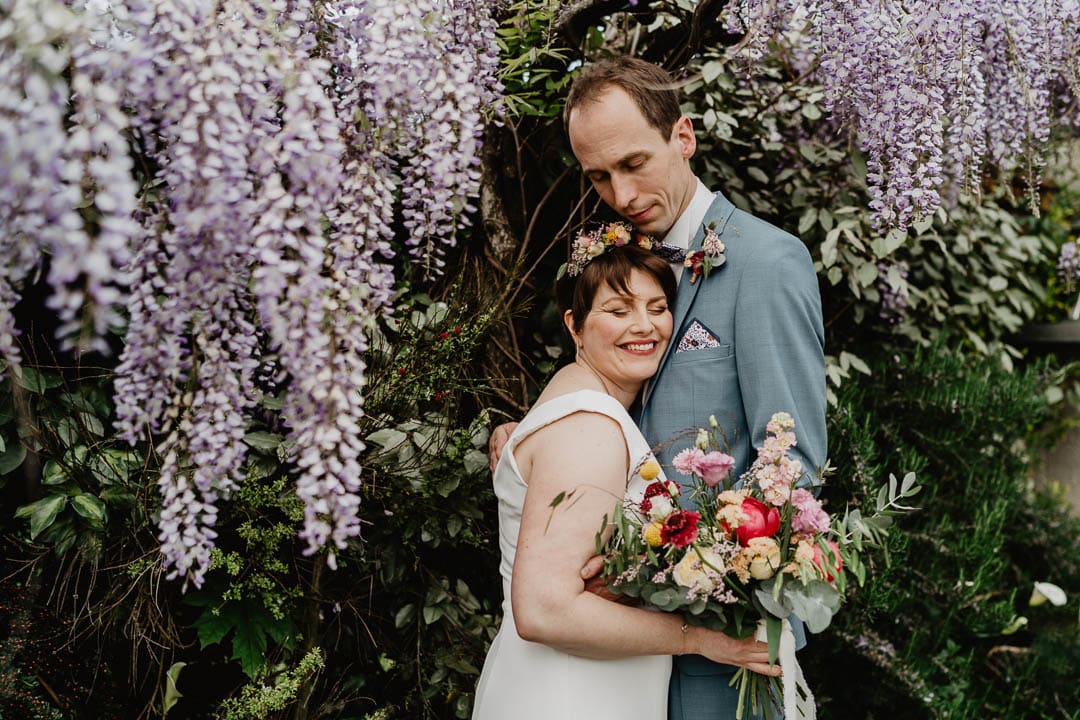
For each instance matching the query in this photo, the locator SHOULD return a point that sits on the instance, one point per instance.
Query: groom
(748, 339)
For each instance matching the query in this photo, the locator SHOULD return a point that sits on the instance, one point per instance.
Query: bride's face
(625, 335)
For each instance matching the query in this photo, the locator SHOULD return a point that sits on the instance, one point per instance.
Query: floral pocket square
(696, 337)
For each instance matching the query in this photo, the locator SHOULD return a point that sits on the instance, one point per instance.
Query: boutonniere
(710, 256)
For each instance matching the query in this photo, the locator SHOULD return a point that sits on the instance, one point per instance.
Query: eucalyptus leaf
(815, 603)
(781, 607)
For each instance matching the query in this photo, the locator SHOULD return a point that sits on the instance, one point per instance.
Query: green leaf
(249, 645)
(53, 474)
(815, 604)
(773, 627)
(90, 507)
(42, 513)
(712, 70)
(866, 274)
(475, 461)
(405, 615)
(212, 627)
(809, 217)
(388, 438)
(261, 440)
(758, 175)
(12, 458)
(37, 382)
(172, 675)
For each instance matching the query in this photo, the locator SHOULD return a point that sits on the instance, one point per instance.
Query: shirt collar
(682, 232)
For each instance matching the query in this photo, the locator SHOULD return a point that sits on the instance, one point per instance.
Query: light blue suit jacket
(763, 308)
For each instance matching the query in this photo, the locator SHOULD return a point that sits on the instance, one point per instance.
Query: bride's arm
(586, 453)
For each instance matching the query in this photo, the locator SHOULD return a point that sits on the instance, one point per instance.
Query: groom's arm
(781, 347)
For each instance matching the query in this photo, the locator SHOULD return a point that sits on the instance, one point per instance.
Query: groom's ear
(683, 134)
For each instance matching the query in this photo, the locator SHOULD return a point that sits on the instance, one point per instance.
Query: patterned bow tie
(670, 253)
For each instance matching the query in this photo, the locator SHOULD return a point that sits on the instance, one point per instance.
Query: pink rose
(810, 518)
(715, 467)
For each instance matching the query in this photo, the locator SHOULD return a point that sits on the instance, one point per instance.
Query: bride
(562, 651)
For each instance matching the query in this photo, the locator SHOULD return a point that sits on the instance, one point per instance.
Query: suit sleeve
(780, 347)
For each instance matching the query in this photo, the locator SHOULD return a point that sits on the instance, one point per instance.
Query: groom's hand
(497, 441)
(595, 584)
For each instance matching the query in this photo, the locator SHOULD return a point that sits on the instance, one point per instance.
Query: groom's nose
(624, 191)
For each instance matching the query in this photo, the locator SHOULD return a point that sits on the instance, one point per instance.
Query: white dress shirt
(682, 232)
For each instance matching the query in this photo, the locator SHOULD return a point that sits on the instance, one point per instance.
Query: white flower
(660, 507)
(1044, 591)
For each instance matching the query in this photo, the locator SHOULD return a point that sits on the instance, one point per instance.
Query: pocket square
(696, 337)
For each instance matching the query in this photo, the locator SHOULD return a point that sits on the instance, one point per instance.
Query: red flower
(837, 562)
(444, 335)
(696, 262)
(651, 490)
(759, 520)
(680, 528)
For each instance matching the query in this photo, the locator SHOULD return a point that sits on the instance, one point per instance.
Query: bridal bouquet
(751, 555)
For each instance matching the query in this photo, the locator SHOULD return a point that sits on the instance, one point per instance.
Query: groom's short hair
(650, 87)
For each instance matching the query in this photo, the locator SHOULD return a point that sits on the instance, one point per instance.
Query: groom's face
(640, 172)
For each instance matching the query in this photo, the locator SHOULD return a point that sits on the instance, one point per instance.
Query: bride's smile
(624, 334)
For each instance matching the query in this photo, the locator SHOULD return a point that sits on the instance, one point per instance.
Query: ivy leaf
(42, 513)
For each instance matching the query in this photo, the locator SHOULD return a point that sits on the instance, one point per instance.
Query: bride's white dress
(525, 680)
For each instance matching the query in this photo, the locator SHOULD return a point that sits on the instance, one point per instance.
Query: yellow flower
(650, 470)
(651, 534)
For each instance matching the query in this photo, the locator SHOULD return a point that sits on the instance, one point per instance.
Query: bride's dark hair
(613, 268)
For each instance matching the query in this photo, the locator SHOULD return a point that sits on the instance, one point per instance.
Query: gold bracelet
(685, 628)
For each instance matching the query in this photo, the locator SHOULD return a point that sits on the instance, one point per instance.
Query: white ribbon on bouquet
(798, 700)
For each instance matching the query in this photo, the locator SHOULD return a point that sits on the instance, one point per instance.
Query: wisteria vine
(287, 140)
(934, 89)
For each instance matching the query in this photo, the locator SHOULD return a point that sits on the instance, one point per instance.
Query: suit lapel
(716, 217)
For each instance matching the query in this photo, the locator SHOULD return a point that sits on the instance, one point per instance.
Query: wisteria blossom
(287, 140)
(933, 89)
(66, 185)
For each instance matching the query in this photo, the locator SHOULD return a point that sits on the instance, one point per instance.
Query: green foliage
(533, 68)
(52, 430)
(940, 625)
(258, 699)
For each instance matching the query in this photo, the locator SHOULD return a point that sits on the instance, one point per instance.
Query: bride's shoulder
(567, 381)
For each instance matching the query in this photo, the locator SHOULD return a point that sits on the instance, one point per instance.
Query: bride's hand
(749, 653)
(497, 441)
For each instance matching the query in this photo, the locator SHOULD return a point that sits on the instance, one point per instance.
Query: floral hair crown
(594, 243)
